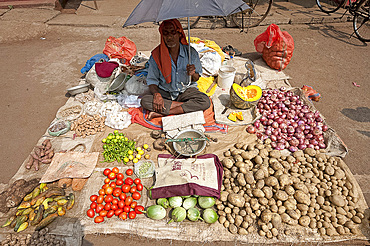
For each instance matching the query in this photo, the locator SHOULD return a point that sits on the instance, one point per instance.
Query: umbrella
(160, 10)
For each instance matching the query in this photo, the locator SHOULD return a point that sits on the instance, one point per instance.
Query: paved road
(44, 50)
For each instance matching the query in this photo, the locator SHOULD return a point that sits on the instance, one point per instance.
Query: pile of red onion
(288, 122)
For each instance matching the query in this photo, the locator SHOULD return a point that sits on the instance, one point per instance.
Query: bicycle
(360, 9)
(251, 17)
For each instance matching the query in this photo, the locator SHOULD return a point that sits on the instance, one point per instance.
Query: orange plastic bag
(276, 47)
(121, 48)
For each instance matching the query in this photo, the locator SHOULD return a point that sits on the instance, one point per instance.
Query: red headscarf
(161, 54)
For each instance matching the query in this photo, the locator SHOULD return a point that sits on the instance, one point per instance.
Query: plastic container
(144, 171)
(226, 75)
(63, 130)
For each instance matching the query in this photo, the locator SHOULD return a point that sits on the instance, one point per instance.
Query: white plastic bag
(136, 85)
(118, 120)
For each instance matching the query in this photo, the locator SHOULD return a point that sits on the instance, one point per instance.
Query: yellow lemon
(138, 148)
(130, 152)
(126, 159)
(145, 146)
(131, 157)
(140, 152)
(135, 160)
(138, 156)
(146, 156)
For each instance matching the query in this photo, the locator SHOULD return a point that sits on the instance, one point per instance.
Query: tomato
(128, 200)
(129, 181)
(136, 195)
(139, 187)
(101, 192)
(99, 208)
(115, 170)
(108, 199)
(105, 186)
(103, 213)
(122, 196)
(109, 190)
(93, 198)
(126, 209)
(93, 205)
(132, 215)
(119, 182)
(137, 181)
(90, 213)
(139, 209)
(110, 213)
(113, 185)
(114, 207)
(120, 176)
(133, 204)
(108, 206)
(107, 180)
(126, 188)
(129, 171)
(121, 204)
(107, 171)
(98, 219)
(115, 201)
(100, 199)
(133, 189)
(123, 216)
(112, 176)
(118, 211)
(117, 192)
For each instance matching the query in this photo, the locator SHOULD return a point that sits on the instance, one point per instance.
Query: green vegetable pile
(117, 147)
(184, 207)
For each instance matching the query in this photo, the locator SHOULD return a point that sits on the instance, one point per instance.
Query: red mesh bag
(276, 47)
(121, 48)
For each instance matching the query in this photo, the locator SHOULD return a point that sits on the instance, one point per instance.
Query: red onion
(316, 147)
(302, 146)
(322, 145)
(294, 142)
(251, 129)
(273, 144)
(273, 138)
(293, 148)
(324, 128)
(316, 131)
(311, 146)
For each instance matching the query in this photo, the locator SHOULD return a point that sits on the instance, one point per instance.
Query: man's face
(170, 35)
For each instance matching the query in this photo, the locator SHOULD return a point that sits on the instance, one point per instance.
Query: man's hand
(190, 68)
(158, 105)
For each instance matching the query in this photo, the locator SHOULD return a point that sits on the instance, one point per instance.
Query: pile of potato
(263, 190)
(41, 237)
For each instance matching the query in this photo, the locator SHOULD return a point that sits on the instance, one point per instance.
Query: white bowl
(78, 89)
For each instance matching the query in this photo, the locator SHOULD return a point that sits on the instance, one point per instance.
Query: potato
(236, 200)
(301, 197)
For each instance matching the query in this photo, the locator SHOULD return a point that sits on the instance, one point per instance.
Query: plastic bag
(136, 85)
(93, 78)
(276, 47)
(121, 48)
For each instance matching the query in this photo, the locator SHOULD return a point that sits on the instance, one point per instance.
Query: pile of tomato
(118, 196)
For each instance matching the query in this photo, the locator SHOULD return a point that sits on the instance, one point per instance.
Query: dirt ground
(36, 72)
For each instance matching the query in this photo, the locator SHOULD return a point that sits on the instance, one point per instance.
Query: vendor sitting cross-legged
(168, 75)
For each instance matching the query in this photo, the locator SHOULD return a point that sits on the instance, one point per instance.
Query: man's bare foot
(152, 115)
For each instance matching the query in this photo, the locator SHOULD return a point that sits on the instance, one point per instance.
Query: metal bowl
(189, 148)
(78, 89)
(118, 83)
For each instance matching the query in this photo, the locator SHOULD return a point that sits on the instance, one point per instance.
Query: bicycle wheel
(255, 15)
(192, 20)
(361, 21)
(329, 6)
